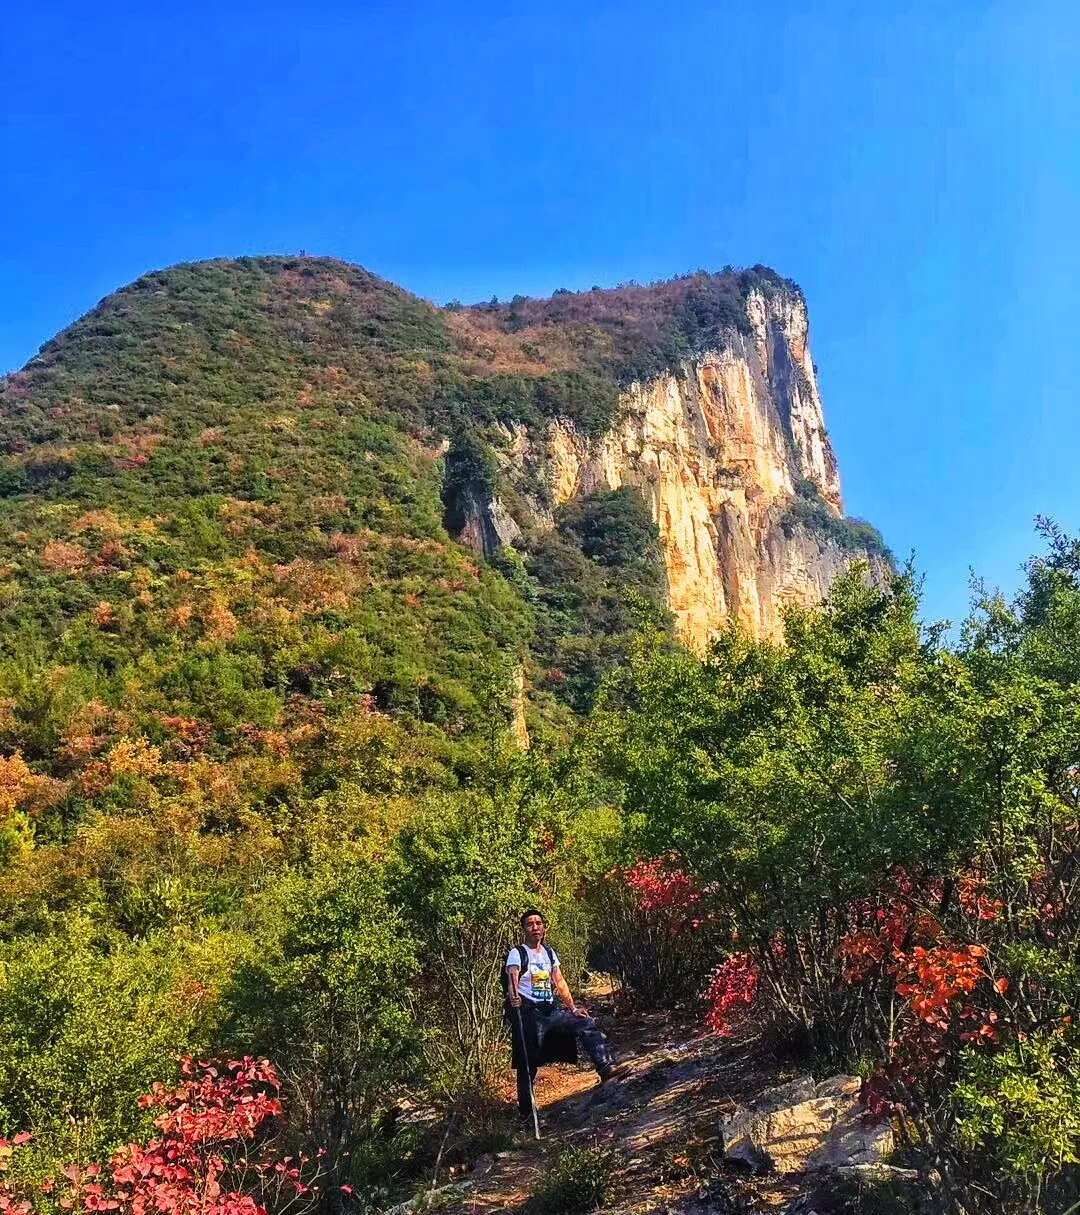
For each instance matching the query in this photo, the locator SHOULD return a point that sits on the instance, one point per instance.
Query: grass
(580, 1180)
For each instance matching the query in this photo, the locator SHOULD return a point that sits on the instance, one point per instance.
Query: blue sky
(915, 167)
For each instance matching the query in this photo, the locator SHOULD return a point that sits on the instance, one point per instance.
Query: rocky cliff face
(722, 450)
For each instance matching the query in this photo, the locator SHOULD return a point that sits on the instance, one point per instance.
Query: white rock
(804, 1126)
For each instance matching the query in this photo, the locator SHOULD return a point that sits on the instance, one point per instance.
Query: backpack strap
(523, 956)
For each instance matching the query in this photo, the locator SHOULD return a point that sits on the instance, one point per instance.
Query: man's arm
(512, 973)
(563, 988)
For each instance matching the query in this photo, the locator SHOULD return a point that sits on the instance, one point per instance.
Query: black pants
(585, 1029)
(526, 1077)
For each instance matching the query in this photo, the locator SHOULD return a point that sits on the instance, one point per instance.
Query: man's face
(534, 930)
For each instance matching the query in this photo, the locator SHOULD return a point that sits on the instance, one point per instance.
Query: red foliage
(10, 1203)
(63, 557)
(916, 955)
(971, 893)
(945, 989)
(659, 886)
(660, 928)
(103, 615)
(189, 729)
(731, 992)
(211, 1157)
(881, 933)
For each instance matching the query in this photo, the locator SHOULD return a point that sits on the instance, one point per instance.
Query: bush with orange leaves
(21, 791)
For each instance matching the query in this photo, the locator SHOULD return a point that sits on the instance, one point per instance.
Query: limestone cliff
(724, 449)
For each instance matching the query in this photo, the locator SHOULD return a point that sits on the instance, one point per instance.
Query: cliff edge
(728, 448)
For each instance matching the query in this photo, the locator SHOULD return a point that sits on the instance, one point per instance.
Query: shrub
(650, 928)
(731, 993)
(1023, 1103)
(580, 1180)
(88, 1020)
(590, 401)
(462, 875)
(891, 829)
(214, 1152)
(329, 992)
(811, 512)
(616, 530)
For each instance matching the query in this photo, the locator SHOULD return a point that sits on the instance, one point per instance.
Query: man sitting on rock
(543, 1031)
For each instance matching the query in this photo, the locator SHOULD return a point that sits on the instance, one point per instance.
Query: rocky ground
(660, 1124)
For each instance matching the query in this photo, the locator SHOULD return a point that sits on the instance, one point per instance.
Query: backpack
(523, 964)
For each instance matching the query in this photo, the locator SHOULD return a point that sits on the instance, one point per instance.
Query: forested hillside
(224, 520)
(247, 675)
(281, 759)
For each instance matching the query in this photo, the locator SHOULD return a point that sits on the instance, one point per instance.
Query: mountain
(307, 592)
(242, 502)
(722, 435)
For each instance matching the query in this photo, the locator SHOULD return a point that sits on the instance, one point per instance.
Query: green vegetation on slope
(239, 654)
(255, 701)
(811, 512)
(222, 533)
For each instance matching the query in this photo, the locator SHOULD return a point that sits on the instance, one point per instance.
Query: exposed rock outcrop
(721, 449)
(519, 728)
(488, 525)
(803, 1126)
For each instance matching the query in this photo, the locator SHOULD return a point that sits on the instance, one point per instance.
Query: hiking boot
(614, 1071)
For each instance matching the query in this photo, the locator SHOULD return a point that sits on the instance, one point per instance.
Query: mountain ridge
(232, 495)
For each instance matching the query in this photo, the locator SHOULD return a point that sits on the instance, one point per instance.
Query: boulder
(805, 1125)
(428, 1200)
(838, 1086)
(853, 1140)
(782, 1095)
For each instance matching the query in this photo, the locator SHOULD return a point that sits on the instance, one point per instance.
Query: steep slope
(229, 497)
(718, 426)
(718, 449)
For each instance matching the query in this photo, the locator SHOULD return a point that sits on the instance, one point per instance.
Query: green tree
(462, 873)
(327, 996)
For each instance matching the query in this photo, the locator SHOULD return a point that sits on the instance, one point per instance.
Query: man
(533, 979)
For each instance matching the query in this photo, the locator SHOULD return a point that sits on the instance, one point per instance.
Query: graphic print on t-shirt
(535, 982)
(540, 979)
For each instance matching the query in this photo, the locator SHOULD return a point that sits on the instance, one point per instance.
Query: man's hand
(515, 1000)
(578, 1011)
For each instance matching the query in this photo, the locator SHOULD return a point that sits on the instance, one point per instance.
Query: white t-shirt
(535, 980)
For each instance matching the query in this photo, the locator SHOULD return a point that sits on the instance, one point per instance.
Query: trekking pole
(528, 1072)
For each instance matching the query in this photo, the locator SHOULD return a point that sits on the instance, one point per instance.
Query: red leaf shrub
(905, 975)
(215, 1154)
(661, 886)
(731, 993)
(653, 927)
(11, 1203)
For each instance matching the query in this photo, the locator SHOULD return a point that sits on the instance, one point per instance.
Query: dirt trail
(661, 1120)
